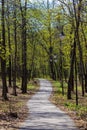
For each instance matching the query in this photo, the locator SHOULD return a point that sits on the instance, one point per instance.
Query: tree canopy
(41, 39)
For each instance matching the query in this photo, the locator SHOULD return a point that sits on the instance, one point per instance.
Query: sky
(40, 0)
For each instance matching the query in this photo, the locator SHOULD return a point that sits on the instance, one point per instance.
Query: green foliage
(61, 100)
(58, 87)
(80, 110)
(31, 86)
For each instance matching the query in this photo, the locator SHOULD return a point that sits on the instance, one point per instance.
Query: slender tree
(3, 59)
(15, 55)
(24, 47)
(77, 13)
(70, 81)
(9, 44)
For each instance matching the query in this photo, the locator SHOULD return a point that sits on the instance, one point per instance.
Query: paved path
(43, 115)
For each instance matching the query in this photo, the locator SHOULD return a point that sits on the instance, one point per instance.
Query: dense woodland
(43, 38)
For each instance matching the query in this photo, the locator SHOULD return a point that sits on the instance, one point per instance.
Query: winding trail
(43, 115)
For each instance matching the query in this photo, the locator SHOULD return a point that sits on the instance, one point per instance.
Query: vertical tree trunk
(33, 57)
(24, 49)
(86, 82)
(77, 11)
(24, 62)
(9, 44)
(70, 81)
(76, 77)
(51, 62)
(81, 65)
(61, 69)
(15, 57)
(3, 60)
(86, 78)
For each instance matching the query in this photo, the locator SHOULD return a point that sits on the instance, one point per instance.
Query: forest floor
(14, 111)
(77, 113)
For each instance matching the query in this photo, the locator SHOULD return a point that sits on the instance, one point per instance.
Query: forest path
(43, 115)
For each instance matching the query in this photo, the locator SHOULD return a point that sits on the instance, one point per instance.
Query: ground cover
(77, 113)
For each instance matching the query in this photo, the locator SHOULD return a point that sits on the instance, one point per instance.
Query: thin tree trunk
(77, 18)
(70, 81)
(76, 75)
(15, 57)
(3, 60)
(24, 62)
(24, 50)
(86, 79)
(33, 57)
(51, 62)
(61, 69)
(9, 44)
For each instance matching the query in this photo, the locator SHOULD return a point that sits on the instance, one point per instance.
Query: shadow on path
(43, 115)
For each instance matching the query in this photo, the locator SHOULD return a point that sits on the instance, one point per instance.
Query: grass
(30, 86)
(70, 106)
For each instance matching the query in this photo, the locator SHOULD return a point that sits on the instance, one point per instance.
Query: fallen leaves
(14, 111)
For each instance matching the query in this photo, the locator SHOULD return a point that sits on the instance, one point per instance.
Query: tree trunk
(77, 20)
(15, 56)
(24, 50)
(51, 63)
(61, 68)
(86, 79)
(70, 81)
(33, 57)
(24, 62)
(3, 59)
(9, 44)
(76, 77)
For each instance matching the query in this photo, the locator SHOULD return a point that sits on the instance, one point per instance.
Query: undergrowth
(59, 99)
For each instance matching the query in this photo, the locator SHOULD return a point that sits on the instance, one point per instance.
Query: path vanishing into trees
(43, 115)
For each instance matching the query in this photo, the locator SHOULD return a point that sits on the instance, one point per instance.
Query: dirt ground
(14, 111)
